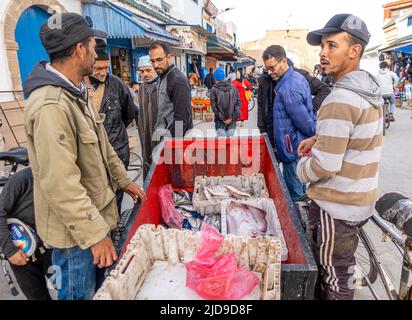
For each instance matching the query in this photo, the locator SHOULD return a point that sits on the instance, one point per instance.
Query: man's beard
(159, 72)
(98, 78)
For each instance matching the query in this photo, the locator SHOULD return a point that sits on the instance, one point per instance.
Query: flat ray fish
(245, 220)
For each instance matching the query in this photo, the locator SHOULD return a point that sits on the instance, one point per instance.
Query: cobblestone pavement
(395, 175)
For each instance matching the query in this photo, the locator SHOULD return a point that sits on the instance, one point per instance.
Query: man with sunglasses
(293, 116)
(174, 117)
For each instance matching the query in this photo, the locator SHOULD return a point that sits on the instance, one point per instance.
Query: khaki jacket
(76, 171)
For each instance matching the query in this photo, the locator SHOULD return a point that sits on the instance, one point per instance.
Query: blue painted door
(27, 36)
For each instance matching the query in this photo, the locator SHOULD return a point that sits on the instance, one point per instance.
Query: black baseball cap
(101, 49)
(63, 30)
(341, 23)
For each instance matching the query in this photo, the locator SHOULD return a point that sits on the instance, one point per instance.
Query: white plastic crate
(274, 226)
(255, 182)
(153, 266)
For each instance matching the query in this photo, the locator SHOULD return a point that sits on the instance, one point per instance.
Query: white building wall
(231, 29)
(5, 79)
(403, 28)
(186, 10)
(370, 63)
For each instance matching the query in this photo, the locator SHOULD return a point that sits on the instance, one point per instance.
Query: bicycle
(372, 268)
(252, 101)
(13, 158)
(386, 116)
(136, 164)
(368, 266)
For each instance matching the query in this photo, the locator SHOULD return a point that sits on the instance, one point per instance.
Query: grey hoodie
(364, 84)
(343, 169)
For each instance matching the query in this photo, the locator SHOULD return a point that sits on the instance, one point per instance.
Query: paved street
(395, 175)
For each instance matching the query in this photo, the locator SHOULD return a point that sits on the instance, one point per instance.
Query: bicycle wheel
(387, 121)
(251, 104)
(365, 263)
(136, 164)
(384, 121)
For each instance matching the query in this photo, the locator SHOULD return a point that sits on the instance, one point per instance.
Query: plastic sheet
(171, 217)
(217, 278)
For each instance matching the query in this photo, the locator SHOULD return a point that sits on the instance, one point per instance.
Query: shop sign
(190, 39)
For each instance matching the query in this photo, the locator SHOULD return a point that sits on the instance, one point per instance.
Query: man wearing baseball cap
(76, 171)
(342, 171)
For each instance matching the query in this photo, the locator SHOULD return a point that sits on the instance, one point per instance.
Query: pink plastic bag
(217, 278)
(171, 217)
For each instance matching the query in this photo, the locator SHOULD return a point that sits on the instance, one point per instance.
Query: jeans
(225, 130)
(78, 273)
(391, 98)
(296, 188)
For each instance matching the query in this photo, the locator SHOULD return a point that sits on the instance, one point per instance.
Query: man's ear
(79, 51)
(355, 51)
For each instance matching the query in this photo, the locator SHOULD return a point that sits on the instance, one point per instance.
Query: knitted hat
(219, 74)
(144, 62)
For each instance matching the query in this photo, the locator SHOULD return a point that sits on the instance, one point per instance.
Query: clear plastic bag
(217, 278)
(171, 217)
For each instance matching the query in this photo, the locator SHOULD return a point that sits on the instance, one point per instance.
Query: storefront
(220, 53)
(192, 50)
(129, 36)
(399, 58)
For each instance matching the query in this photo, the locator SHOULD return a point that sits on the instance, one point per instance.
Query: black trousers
(31, 277)
(334, 243)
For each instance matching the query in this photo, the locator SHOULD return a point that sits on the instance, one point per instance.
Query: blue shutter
(27, 36)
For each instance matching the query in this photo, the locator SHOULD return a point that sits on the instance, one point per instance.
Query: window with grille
(166, 7)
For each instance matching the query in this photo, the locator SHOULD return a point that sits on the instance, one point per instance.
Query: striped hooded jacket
(343, 169)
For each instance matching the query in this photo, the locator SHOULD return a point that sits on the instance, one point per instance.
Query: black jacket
(120, 110)
(265, 100)
(16, 201)
(266, 96)
(319, 89)
(225, 101)
(174, 103)
(210, 81)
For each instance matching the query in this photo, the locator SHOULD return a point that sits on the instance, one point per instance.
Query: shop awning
(216, 44)
(118, 22)
(403, 44)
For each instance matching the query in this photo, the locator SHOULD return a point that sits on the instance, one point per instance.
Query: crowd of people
(328, 142)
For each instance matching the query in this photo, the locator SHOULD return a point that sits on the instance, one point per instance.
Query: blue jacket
(293, 116)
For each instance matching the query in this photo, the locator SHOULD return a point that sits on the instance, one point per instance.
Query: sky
(254, 17)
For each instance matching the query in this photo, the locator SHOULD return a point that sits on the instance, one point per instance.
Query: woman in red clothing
(242, 85)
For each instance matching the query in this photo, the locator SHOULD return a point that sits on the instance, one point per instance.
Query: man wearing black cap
(343, 168)
(75, 169)
(112, 97)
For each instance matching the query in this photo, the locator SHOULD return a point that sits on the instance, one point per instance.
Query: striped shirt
(344, 167)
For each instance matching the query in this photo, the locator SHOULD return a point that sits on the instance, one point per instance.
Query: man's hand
(305, 146)
(227, 121)
(104, 253)
(136, 192)
(19, 258)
